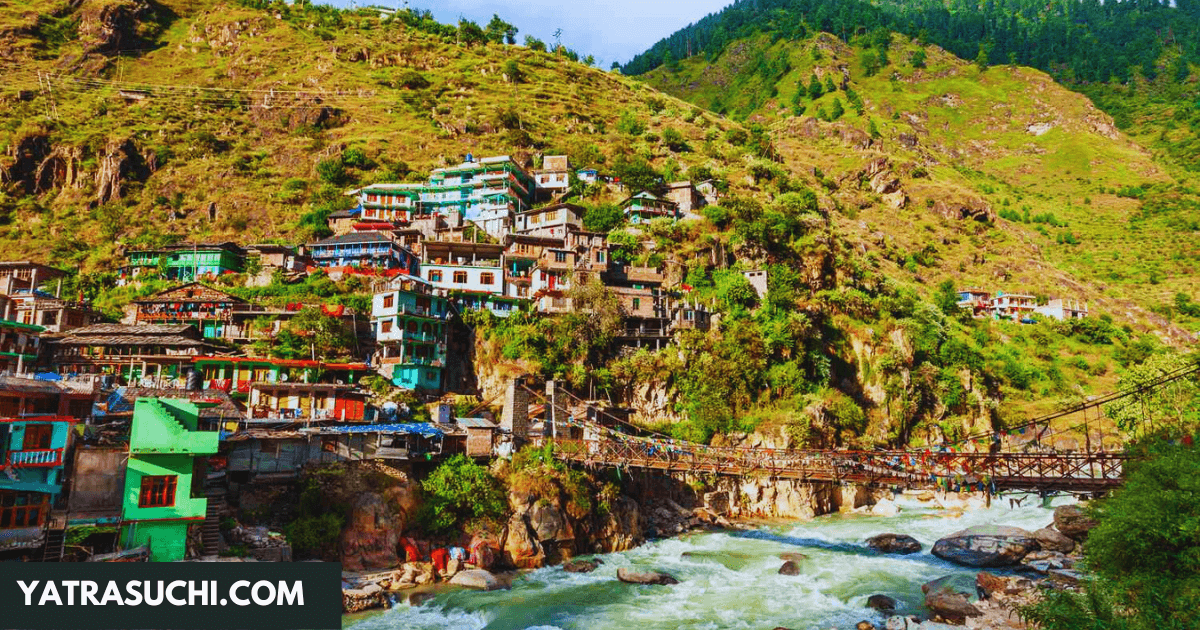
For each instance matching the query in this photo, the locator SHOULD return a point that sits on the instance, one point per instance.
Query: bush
(460, 490)
(315, 535)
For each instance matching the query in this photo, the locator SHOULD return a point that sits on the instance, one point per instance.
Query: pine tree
(873, 130)
(830, 88)
(918, 58)
(837, 110)
(981, 60)
(814, 87)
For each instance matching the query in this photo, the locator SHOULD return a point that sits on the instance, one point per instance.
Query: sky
(610, 30)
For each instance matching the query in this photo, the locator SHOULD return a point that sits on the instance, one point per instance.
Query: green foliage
(1145, 551)
(674, 140)
(604, 217)
(1172, 410)
(457, 491)
(630, 124)
(947, 298)
(315, 535)
(917, 59)
(815, 90)
(533, 43)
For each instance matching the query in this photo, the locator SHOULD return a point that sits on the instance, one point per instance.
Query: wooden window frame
(38, 437)
(158, 491)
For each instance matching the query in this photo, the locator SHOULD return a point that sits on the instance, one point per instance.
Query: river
(729, 580)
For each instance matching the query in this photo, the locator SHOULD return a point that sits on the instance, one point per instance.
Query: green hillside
(129, 122)
(1078, 204)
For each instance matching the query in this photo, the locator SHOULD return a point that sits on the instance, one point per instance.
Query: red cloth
(410, 552)
(440, 557)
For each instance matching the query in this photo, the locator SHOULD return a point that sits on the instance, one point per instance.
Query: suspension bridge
(1087, 471)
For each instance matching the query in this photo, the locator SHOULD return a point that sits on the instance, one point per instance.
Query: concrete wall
(98, 480)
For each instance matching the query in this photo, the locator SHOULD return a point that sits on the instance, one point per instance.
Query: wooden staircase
(210, 531)
(56, 536)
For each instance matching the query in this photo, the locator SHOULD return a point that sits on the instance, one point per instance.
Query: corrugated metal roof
(416, 428)
(132, 329)
(475, 423)
(354, 237)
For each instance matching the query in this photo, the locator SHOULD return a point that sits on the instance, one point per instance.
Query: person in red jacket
(411, 554)
(440, 557)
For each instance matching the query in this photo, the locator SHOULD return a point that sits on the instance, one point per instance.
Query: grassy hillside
(212, 123)
(1082, 209)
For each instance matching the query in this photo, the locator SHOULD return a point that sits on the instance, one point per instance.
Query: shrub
(460, 490)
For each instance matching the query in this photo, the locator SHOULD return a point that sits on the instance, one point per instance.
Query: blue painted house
(364, 249)
(410, 321)
(32, 454)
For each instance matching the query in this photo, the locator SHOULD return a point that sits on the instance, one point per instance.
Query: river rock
(986, 546)
(894, 543)
(581, 566)
(1053, 540)
(477, 579)
(882, 603)
(864, 625)
(1073, 521)
(902, 623)
(644, 577)
(885, 507)
(789, 568)
(951, 606)
(988, 583)
(416, 599)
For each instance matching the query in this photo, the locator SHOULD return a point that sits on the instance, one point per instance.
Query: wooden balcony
(34, 458)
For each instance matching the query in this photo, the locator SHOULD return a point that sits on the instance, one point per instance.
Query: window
(435, 275)
(560, 257)
(412, 326)
(385, 326)
(389, 300)
(37, 437)
(600, 256)
(637, 304)
(23, 509)
(158, 491)
(460, 277)
(487, 279)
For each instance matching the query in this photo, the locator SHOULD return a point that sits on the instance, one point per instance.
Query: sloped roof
(122, 400)
(355, 237)
(177, 294)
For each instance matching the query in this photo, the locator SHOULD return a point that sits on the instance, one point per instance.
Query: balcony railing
(35, 458)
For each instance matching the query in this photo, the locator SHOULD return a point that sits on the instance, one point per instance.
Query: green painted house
(185, 262)
(160, 502)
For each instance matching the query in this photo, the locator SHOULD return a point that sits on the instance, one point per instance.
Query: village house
(552, 278)
(646, 206)
(185, 262)
(588, 175)
(976, 301)
(758, 281)
(52, 313)
(645, 303)
(554, 178)
(1018, 307)
(390, 203)
(376, 250)
(19, 346)
(473, 274)
(688, 315)
(236, 374)
(687, 199)
(165, 442)
(273, 257)
(33, 453)
(521, 254)
(16, 275)
(554, 220)
(292, 402)
(410, 319)
(1061, 309)
(22, 396)
(139, 352)
(342, 221)
(591, 249)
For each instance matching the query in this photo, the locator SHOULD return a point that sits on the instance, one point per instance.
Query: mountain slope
(1059, 176)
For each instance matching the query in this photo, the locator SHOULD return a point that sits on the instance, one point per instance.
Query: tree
(981, 59)
(674, 140)
(589, 60)
(873, 130)
(615, 66)
(498, 31)
(946, 298)
(814, 87)
(630, 124)
(533, 43)
(918, 58)
(870, 62)
(830, 88)
(457, 491)
(513, 71)
(603, 218)
(469, 33)
(332, 171)
(669, 62)
(836, 111)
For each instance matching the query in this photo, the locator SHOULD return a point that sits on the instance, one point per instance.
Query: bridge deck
(1071, 472)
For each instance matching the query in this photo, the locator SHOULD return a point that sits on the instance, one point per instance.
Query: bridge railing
(1005, 470)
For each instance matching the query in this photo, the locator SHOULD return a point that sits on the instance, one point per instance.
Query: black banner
(175, 595)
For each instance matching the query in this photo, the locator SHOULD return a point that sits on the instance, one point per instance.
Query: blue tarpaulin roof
(424, 429)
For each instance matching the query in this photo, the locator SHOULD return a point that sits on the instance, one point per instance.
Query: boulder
(1073, 521)
(986, 546)
(885, 507)
(987, 584)
(793, 556)
(882, 603)
(864, 625)
(717, 501)
(477, 579)
(1053, 540)
(951, 606)
(581, 566)
(789, 568)
(902, 623)
(521, 546)
(894, 543)
(420, 597)
(644, 577)
(369, 539)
